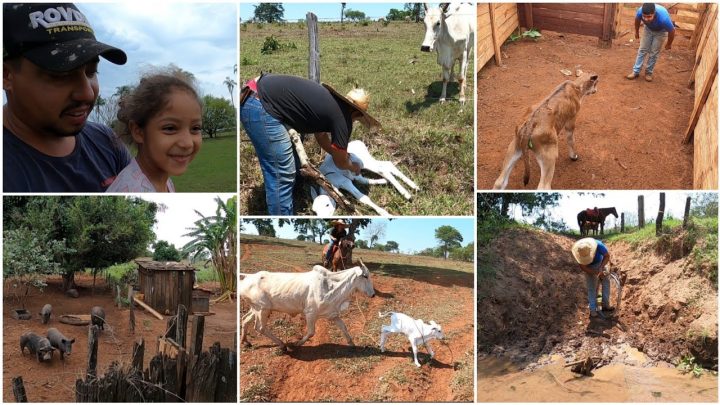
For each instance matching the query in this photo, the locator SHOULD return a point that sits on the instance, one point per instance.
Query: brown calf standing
(541, 127)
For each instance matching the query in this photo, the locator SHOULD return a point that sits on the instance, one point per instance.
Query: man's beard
(61, 133)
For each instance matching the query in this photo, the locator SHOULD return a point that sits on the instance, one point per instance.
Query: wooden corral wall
(703, 125)
(685, 15)
(495, 23)
(592, 19)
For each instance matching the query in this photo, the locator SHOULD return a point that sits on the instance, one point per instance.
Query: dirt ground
(326, 369)
(628, 135)
(55, 381)
(534, 316)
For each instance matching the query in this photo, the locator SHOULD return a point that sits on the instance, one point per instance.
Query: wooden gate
(591, 19)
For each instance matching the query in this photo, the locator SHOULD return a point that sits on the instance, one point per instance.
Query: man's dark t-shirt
(305, 106)
(98, 157)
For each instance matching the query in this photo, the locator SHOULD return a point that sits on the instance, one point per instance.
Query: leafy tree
(354, 15)
(165, 252)
(218, 116)
(269, 12)
(416, 11)
(397, 15)
(449, 238)
(264, 226)
(85, 231)
(465, 253)
(342, 12)
(379, 246)
(29, 257)
(216, 234)
(703, 205)
(391, 246)
(312, 228)
(362, 244)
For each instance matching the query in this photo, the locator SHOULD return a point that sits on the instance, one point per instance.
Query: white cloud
(199, 38)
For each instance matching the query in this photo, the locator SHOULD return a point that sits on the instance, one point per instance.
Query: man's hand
(637, 34)
(668, 46)
(355, 168)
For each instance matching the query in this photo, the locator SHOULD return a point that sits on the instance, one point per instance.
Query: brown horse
(341, 258)
(591, 215)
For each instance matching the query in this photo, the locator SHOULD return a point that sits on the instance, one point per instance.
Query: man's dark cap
(54, 36)
(648, 8)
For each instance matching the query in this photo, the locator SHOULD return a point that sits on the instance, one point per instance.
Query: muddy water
(501, 381)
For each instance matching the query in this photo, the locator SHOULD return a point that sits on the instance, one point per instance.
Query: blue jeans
(650, 44)
(276, 154)
(330, 249)
(591, 282)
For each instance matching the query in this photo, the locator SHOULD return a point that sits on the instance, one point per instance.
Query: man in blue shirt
(50, 61)
(658, 26)
(592, 256)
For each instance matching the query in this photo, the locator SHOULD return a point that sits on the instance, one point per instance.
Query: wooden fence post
(314, 61)
(605, 40)
(182, 317)
(19, 389)
(641, 212)
(138, 355)
(198, 329)
(92, 352)
(132, 309)
(495, 40)
(622, 222)
(687, 213)
(660, 215)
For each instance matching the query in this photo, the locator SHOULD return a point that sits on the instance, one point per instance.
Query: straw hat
(358, 100)
(584, 250)
(339, 222)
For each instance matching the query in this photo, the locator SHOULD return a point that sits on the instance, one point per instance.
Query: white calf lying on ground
(417, 332)
(343, 179)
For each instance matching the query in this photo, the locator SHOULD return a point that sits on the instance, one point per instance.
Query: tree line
(373, 233)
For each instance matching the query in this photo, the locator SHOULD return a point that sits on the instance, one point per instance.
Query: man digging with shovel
(592, 256)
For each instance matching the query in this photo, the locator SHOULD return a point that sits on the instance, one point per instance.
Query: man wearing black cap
(658, 26)
(50, 60)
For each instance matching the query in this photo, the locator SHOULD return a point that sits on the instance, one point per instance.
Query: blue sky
(324, 11)
(198, 37)
(411, 234)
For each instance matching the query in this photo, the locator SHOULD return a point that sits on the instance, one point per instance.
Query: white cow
(318, 293)
(417, 332)
(452, 33)
(343, 179)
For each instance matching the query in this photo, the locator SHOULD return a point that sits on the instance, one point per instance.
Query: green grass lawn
(430, 142)
(214, 169)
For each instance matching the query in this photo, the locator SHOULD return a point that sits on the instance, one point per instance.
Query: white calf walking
(417, 332)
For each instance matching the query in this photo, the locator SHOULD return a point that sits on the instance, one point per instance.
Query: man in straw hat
(272, 104)
(592, 256)
(338, 232)
(50, 63)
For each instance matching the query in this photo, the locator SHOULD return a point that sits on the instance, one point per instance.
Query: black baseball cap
(54, 36)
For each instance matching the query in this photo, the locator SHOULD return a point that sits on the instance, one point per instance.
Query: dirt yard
(55, 381)
(326, 369)
(533, 319)
(628, 135)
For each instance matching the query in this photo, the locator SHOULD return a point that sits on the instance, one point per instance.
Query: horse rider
(336, 234)
(592, 256)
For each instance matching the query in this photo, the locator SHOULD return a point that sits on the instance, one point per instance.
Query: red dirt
(327, 369)
(536, 306)
(55, 381)
(634, 124)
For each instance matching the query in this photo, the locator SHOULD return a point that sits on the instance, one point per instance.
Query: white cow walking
(318, 293)
(450, 31)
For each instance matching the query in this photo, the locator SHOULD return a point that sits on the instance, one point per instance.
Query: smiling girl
(163, 117)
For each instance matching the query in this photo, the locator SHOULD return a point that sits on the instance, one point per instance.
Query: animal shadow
(432, 96)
